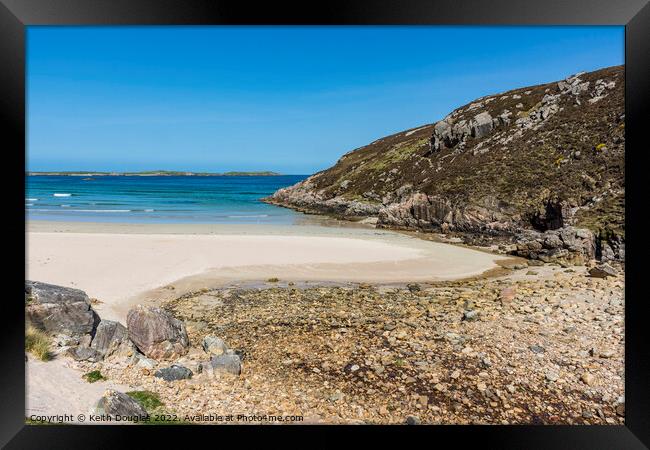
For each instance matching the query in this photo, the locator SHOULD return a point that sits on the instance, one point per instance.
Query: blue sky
(290, 99)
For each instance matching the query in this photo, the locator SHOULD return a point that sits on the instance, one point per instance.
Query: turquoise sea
(157, 199)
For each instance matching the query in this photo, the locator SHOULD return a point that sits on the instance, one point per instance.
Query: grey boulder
(117, 404)
(228, 363)
(111, 338)
(481, 125)
(602, 271)
(59, 310)
(156, 333)
(214, 345)
(81, 353)
(413, 420)
(566, 243)
(173, 373)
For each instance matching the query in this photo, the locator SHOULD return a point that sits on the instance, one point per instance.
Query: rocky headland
(537, 170)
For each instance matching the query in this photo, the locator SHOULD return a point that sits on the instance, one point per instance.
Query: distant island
(152, 173)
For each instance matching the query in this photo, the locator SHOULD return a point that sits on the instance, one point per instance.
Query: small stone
(620, 406)
(214, 345)
(335, 397)
(606, 354)
(414, 287)
(552, 375)
(507, 295)
(401, 334)
(537, 349)
(470, 316)
(413, 420)
(588, 379)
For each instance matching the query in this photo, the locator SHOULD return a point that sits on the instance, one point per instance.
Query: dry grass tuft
(38, 344)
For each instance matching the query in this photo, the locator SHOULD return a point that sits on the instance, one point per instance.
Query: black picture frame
(15, 15)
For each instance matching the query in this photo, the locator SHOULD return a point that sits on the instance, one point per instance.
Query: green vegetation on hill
(506, 157)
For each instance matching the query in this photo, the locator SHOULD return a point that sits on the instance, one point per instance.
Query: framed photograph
(382, 217)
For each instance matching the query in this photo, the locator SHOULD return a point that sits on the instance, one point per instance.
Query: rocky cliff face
(525, 166)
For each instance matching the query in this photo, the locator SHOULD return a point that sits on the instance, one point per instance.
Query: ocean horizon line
(157, 173)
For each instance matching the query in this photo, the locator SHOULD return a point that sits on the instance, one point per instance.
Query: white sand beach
(55, 387)
(122, 264)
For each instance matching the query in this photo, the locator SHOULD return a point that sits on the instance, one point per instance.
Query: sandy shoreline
(422, 353)
(120, 263)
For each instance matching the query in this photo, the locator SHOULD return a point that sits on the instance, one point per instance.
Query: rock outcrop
(156, 333)
(424, 211)
(535, 159)
(59, 310)
(302, 198)
(568, 243)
